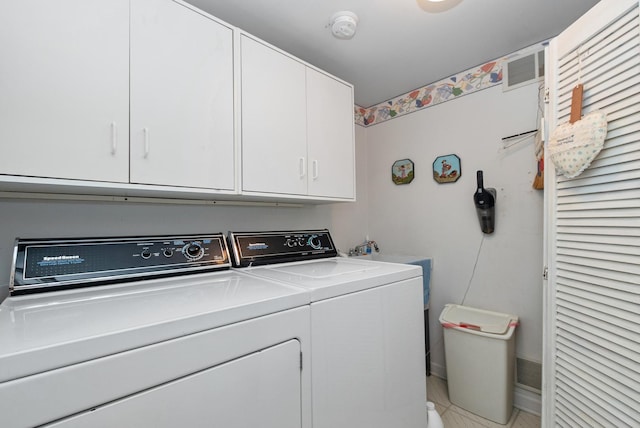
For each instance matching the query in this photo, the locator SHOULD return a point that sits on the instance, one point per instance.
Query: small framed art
(447, 169)
(402, 171)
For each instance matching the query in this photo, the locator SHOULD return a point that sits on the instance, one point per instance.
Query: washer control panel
(41, 265)
(259, 248)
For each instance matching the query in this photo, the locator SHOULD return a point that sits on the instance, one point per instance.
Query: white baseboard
(523, 399)
(530, 402)
(438, 370)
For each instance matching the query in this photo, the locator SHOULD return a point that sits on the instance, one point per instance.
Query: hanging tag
(576, 103)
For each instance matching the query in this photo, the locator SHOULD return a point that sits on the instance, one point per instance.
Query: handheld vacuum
(485, 202)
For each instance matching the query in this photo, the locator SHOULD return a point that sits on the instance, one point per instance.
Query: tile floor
(456, 417)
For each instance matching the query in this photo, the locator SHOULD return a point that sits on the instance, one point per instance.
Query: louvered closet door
(592, 307)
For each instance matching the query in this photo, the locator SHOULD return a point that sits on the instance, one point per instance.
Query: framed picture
(402, 171)
(447, 169)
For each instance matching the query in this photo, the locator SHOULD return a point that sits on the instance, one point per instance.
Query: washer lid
(45, 331)
(337, 276)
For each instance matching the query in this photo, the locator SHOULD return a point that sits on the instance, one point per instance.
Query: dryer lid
(337, 276)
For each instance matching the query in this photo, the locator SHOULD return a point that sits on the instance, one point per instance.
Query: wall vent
(529, 374)
(523, 70)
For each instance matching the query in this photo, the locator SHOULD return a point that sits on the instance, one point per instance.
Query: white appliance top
(392, 258)
(326, 278)
(40, 332)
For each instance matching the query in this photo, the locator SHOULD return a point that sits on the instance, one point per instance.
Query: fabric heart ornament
(573, 146)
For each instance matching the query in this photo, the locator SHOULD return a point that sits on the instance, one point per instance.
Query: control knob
(314, 242)
(291, 243)
(193, 251)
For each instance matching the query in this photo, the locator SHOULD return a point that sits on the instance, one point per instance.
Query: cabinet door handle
(315, 169)
(303, 168)
(145, 131)
(114, 138)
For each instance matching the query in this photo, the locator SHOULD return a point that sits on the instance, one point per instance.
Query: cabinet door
(259, 390)
(64, 89)
(274, 145)
(330, 137)
(181, 97)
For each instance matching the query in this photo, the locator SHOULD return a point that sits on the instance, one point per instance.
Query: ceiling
(399, 46)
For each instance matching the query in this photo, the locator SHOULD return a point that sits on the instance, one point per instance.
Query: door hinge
(300, 360)
(545, 273)
(546, 95)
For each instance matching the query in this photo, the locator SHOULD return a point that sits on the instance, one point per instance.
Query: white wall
(48, 219)
(422, 218)
(439, 220)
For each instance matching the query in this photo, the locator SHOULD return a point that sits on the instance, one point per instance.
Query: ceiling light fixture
(436, 6)
(343, 24)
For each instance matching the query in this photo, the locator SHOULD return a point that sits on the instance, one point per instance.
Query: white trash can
(480, 356)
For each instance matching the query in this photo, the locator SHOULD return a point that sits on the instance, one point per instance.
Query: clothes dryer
(367, 331)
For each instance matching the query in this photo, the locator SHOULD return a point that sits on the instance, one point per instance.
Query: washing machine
(367, 330)
(150, 332)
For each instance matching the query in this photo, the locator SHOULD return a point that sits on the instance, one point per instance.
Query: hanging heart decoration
(573, 146)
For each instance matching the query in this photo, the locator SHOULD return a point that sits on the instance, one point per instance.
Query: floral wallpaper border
(466, 82)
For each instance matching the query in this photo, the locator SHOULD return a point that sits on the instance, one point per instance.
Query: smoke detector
(343, 24)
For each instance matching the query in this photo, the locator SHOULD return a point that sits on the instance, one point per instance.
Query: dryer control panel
(260, 248)
(43, 265)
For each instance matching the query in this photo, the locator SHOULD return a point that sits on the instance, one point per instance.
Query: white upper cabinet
(157, 98)
(297, 127)
(181, 97)
(330, 136)
(274, 132)
(64, 89)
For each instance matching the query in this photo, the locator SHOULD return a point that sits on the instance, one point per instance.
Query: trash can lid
(477, 319)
